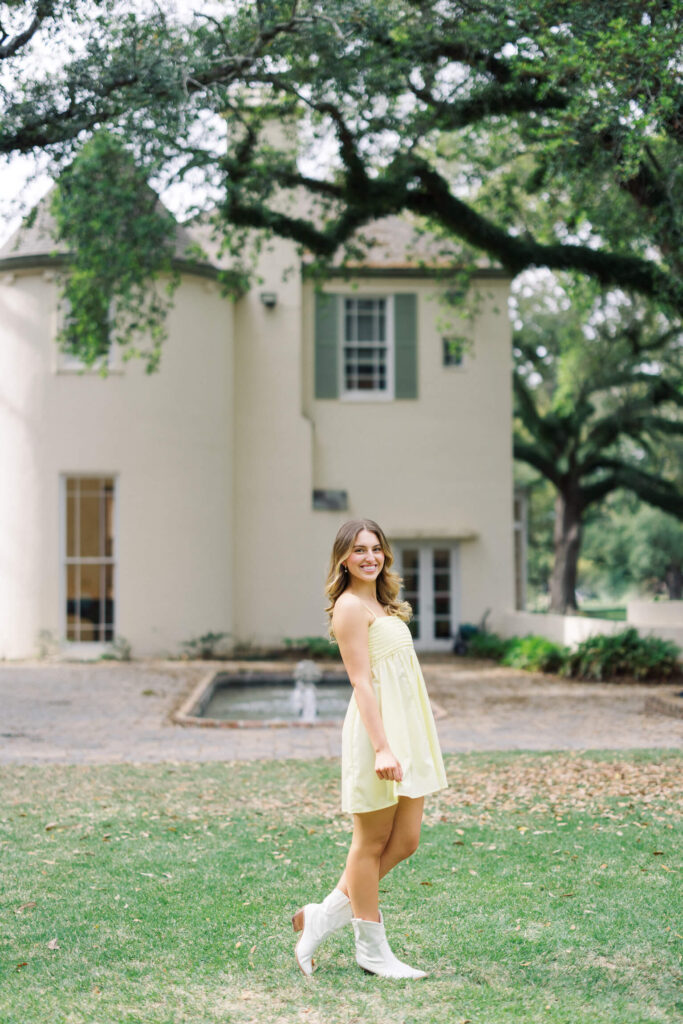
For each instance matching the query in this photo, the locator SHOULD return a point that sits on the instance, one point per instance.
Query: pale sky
(21, 189)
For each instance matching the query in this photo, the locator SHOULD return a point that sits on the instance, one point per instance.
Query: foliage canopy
(402, 106)
(598, 387)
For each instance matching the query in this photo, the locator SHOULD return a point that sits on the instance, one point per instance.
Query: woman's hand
(387, 767)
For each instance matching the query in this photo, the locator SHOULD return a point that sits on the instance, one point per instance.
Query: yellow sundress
(408, 722)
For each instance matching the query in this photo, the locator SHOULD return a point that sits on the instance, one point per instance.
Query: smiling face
(366, 557)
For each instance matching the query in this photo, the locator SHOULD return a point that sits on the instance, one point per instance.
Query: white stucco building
(206, 497)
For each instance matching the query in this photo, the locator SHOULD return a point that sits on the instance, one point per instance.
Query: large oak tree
(590, 92)
(541, 133)
(598, 392)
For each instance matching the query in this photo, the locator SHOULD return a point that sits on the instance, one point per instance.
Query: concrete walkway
(115, 712)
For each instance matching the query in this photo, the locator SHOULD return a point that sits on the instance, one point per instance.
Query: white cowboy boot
(316, 921)
(373, 952)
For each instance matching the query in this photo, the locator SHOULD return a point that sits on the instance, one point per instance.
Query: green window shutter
(326, 345)
(405, 346)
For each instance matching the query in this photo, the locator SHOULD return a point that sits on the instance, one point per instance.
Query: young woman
(390, 751)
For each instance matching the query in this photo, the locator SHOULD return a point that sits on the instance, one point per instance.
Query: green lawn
(546, 888)
(616, 614)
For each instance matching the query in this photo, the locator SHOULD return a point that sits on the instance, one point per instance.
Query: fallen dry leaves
(562, 783)
(557, 783)
(301, 794)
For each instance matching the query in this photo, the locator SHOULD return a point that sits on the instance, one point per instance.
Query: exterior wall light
(269, 299)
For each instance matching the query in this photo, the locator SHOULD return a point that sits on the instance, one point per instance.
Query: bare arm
(350, 622)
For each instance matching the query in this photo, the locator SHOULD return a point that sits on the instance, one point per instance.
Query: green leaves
(568, 111)
(121, 242)
(598, 390)
(600, 658)
(625, 654)
(591, 369)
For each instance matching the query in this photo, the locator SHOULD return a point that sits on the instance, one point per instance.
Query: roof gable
(35, 238)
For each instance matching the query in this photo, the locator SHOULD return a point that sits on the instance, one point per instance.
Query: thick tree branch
(489, 101)
(435, 200)
(648, 487)
(660, 389)
(664, 426)
(111, 97)
(544, 431)
(631, 419)
(347, 144)
(361, 67)
(8, 48)
(294, 228)
(530, 454)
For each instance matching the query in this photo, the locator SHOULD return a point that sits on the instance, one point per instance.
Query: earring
(344, 568)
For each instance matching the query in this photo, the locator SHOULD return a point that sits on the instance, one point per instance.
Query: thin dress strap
(368, 610)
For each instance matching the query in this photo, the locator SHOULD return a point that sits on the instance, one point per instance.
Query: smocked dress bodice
(388, 636)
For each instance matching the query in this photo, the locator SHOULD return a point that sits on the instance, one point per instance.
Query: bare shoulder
(349, 616)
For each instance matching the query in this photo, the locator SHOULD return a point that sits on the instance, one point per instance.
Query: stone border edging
(185, 716)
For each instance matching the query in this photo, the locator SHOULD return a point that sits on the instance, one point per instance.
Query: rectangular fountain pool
(273, 699)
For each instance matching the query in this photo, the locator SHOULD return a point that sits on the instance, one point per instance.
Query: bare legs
(405, 835)
(381, 839)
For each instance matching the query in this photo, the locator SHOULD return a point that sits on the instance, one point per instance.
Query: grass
(616, 614)
(545, 889)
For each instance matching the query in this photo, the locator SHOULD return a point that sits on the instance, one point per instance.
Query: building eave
(421, 273)
(443, 534)
(59, 260)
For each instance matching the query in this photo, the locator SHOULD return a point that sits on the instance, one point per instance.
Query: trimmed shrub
(624, 654)
(534, 653)
(599, 658)
(487, 645)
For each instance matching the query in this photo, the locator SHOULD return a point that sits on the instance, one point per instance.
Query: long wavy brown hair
(388, 582)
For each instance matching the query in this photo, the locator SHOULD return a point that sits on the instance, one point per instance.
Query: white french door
(431, 582)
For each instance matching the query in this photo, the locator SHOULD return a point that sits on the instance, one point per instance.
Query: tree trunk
(567, 541)
(674, 582)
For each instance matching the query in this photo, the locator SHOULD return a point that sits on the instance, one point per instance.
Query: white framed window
(453, 351)
(367, 348)
(89, 558)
